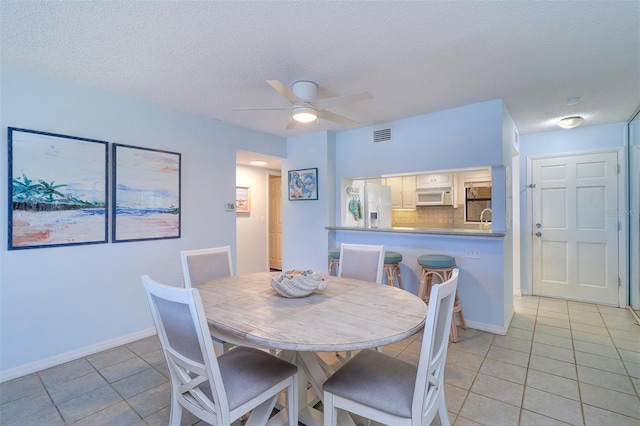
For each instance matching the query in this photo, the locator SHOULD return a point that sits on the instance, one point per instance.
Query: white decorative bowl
(298, 283)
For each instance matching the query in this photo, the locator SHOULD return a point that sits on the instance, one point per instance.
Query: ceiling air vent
(382, 135)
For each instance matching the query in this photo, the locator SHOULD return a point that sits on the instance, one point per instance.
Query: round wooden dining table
(347, 315)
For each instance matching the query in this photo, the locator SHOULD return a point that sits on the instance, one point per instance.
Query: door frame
(623, 232)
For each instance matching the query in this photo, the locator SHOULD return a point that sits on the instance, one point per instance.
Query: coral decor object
(297, 283)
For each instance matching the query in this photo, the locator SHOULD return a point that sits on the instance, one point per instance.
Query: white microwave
(434, 197)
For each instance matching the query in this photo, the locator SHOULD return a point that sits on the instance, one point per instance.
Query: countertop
(434, 231)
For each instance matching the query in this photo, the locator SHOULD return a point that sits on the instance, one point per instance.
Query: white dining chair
(216, 390)
(394, 392)
(362, 262)
(202, 265)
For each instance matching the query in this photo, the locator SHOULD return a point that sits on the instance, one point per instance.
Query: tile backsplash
(431, 217)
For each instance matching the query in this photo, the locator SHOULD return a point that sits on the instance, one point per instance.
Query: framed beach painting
(57, 190)
(146, 194)
(243, 199)
(303, 184)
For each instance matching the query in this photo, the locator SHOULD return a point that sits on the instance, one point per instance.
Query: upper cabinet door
(409, 192)
(396, 191)
(403, 192)
(434, 180)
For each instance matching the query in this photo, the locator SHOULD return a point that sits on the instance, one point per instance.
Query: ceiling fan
(306, 108)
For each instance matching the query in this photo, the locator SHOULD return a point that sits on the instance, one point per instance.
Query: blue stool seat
(392, 257)
(334, 253)
(436, 261)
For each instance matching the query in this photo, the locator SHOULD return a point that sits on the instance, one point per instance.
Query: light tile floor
(560, 363)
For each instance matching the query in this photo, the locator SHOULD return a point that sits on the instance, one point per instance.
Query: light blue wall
(468, 136)
(304, 237)
(60, 301)
(581, 139)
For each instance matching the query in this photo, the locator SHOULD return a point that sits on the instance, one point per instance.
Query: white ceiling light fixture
(570, 122)
(258, 163)
(304, 114)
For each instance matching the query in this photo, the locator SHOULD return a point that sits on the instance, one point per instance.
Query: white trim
(517, 293)
(42, 364)
(491, 328)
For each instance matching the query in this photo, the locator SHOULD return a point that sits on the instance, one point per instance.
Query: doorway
(275, 222)
(575, 228)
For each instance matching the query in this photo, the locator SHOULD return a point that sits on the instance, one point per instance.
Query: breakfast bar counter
(467, 232)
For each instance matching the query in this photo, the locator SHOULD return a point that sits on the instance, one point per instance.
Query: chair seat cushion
(376, 380)
(247, 372)
(334, 253)
(437, 261)
(392, 257)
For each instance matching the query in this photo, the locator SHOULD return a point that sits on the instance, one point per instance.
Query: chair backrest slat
(362, 262)
(202, 265)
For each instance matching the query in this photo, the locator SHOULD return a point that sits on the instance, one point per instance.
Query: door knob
(538, 234)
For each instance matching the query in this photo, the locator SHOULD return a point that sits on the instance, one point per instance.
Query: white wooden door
(575, 228)
(275, 222)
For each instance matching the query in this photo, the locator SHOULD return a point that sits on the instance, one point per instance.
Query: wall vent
(382, 135)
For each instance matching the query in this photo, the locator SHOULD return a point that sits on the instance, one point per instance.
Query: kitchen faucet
(484, 225)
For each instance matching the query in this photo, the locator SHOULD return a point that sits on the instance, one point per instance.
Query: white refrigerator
(377, 206)
(367, 205)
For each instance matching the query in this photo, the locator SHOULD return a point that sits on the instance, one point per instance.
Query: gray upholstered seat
(388, 386)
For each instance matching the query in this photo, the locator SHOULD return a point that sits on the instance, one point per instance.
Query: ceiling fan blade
(341, 100)
(336, 118)
(263, 109)
(291, 124)
(284, 91)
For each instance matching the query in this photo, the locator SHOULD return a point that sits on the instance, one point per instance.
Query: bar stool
(442, 265)
(334, 260)
(391, 267)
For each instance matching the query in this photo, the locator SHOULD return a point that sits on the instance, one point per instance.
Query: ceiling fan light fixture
(570, 122)
(304, 114)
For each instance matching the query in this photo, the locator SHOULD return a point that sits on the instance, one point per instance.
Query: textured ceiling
(413, 57)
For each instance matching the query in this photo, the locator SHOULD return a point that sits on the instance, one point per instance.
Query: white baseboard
(42, 364)
(517, 293)
(491, 328)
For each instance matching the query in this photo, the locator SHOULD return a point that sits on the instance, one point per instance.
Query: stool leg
(399, 277)
(454, 329)
(458, 305)
(389, 271)
(423, 292)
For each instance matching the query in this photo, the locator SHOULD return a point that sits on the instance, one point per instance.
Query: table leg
(316, 372)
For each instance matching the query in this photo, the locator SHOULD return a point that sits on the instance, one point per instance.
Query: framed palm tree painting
(57, 190)
(146, 194)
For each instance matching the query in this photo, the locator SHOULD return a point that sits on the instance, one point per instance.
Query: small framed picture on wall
(303, 184)
(243, 199)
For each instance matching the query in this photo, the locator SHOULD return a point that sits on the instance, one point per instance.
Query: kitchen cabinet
(403, 192)
(434, 180)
